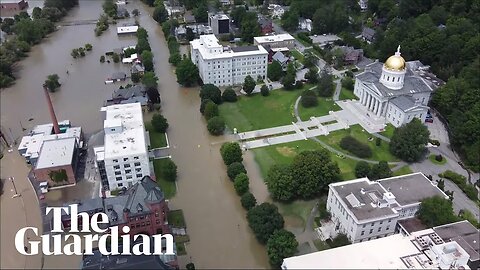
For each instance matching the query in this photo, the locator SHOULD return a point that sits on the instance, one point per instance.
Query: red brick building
(266, 25)
(13, 5)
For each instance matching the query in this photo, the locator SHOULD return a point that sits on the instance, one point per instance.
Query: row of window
(127, 165)
(373, 223)
(128, 177)
(125, 159)
(371, 230)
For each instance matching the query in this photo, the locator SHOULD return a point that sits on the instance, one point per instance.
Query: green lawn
(284, 154)
(169, 188)
(297, 210)
(434, 161)
(176, 219)
(321, 245)
(403, 170)
(299, 56)
(181, 249)
(157, 139)
(323, 107)
(389, 129)
(258, 112)
(346, 94)
(379, 152)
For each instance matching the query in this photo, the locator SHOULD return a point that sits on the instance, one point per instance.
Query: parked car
(44, 187)
(429, 120)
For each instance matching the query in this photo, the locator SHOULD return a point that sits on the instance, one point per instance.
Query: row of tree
(211, 97)
(264, 219)
(28, 31)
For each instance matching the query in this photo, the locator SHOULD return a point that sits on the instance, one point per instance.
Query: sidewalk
(17, 213)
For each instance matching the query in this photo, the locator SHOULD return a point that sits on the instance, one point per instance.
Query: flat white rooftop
(130, 137)
(274, 38)
(209, 48)
(57, 152)
(127, 29)
(391, 252)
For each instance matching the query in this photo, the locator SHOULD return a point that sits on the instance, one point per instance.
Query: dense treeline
(28, 31)
(443, 34)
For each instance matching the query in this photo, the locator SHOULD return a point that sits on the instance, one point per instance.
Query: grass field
(346, 94)
(176, 219)
(403, 170)
(169, 188)
(389, 130)
(157, 139)
(257, 111)
(379, 152)
(434, 161)
(323, 107)
(297, 210)
(297, 55)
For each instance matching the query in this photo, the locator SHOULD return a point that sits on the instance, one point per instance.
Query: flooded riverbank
(216, 223)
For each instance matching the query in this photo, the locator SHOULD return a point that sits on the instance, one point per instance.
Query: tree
(409, 141)
(288, 80)
(142, 45)
(237, 15)
(309, 60)
(187, 73)
(309, 99)
(311, 76)
(102, 59)
(248, 85)
(241, 183)
(211, 110)
(153, 95)
(325, 85)
(212, 92)
(264, 90)
(314, 171)
(362, 169)
(150, 80)
(436, 211)
(340, 240)
(264, 220)
(250, 27)
(216, 126)
(380, 170)
(248, 201)
(88, 47)
(274, 71)
(348, 83)
(201, 13)
(115, 58)
(109, 8)
(281, 182)
(52, 83)
(168, 170)
(135, 12)
(282, 244)
(235, 169)
(229, 95)
(74, 53)
(36, 13)
(58, 176)
(190, 35)
(441, 184)
(159, 123)
(147, 60)
(231, 153)
(290, 20)
(160, 14)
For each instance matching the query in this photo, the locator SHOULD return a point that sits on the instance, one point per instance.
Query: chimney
(52, 112)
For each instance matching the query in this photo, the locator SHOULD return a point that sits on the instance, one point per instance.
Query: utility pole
(14, 188)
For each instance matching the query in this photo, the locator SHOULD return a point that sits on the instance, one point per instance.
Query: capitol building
(397, 91)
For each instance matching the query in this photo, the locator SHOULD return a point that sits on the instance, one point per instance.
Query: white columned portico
(380, 108)
(372, 104)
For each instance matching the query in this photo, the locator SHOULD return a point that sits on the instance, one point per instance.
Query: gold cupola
(395, 62)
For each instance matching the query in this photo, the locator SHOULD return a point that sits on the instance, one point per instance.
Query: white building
(276, 41)
(363, 4)
(395, 90)
(423, 250)
(220, 23)
(277, 11)
(365, 210)
(224, 66)
(127, 29)
(123, 160)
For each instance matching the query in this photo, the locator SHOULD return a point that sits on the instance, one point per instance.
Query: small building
(136, 93)
(220, 23)
(132, 59)
(122, 12)
(351, 56)
(275, 41)
(281, 58)
(118, 77)
(173, 8)
(363, 5)
(266, 25)
(137, 69)
(13, 5)
(188, 17)
(305, 24)
(277, 11)
(324, 40)
(127, 29)
(368, 34)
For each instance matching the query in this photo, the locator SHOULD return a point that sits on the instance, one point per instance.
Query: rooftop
(404, 103)
(273, 38)
(130, 137)
(58, 152)
(219, 16)
(391, 252)
(465, 234)
(209, 48)
(127, 29)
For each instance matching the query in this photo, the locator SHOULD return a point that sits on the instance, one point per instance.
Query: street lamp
(14, 187)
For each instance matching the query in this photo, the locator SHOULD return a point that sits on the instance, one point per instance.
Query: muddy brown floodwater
(216, 223)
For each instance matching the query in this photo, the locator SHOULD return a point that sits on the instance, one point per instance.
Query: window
(125, 159)
(379, 229)
(116, 167)
(381, 222)
(388, 228)
(115, 160)
(138, 169)
(373, 223)
(118, 173)
(120, 185)
(119, 178)
(126, 165)
(128, 171)
(129, 177)
(371, 231)
(137, 164)
(389, 220)
(363, 232)
(364, 225)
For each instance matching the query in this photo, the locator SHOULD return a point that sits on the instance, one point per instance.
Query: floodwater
(216, 223)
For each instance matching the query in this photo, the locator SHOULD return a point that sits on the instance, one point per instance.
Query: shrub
(248, 201)
(159, 123)
(355, 147)
(216, 126)
(241, 183)
(298, 84)
(264, 90)
(168, 170)
(211, 110)
(116, 58)
(231, 153)
(309, 99)
(203, 104)
(461, 182)
(378, 141)
(362, 169)
(102, 59)
(439, 158)
(235, 169)
(229, 95)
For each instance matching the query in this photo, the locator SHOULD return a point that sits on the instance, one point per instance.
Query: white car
(44, 187)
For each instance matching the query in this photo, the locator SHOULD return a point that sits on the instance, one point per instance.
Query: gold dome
(395, 62)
